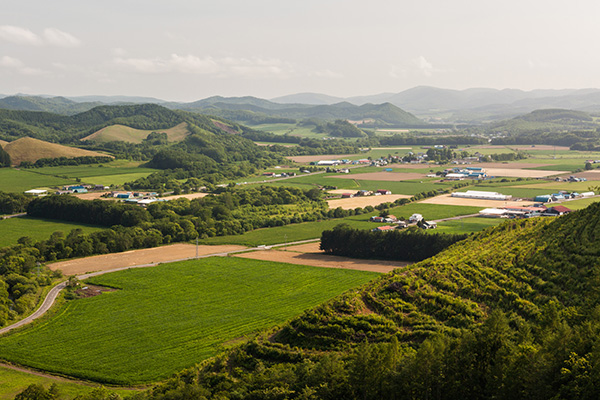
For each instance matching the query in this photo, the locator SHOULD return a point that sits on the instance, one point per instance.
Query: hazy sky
(187, 50)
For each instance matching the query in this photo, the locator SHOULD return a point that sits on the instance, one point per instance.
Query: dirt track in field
(383, 176)
(446, 199)
(363, 201)
(137, 257)
(309, 254)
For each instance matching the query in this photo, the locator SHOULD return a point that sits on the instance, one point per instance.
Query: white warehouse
(476, 194)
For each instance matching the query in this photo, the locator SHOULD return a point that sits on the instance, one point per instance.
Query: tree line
(412, 244)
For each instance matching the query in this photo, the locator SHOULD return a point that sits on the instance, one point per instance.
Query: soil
(507, 165)
(521, 173)
(446, 199)
(363, 201)
(186, 196)
(92, 290)
(309, 254)
(137, 257)
(383, 176)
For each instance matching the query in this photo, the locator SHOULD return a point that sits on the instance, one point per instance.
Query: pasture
(12, 229)
(166, 318)
(19, 180)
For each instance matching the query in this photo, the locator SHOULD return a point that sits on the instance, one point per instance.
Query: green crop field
(12, 229)
(19, 180)
(170, 317)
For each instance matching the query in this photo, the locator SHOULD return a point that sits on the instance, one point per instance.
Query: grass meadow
(19, 180)
(13, 382)
(12, 229)
(166, 318)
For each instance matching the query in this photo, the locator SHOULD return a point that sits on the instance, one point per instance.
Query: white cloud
(222, 67)
(17, 65)
(10, 62)
(59, 38)
(18, 35)
(424, 66)
(50, 37)
(419, 66)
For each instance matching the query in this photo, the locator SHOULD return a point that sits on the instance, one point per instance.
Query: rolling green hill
(56, 105)
(546, 120)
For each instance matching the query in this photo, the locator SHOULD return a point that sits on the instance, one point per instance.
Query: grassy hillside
(131, 135)
(546, 120)
(3, 142)
(519, 267)
(30, 149)
(57, 105)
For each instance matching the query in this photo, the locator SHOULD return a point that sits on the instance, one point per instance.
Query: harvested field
(2, 143)
(341, 191)
(521, 173)
(363, 201)
(309, 254)
(92, 196)
(382, 176)
(515, 165)
(137, 257)
(446, 199)
(411, 166)
(308, 159)
(190, 196)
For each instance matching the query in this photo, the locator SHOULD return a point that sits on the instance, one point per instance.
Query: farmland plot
(166, 318)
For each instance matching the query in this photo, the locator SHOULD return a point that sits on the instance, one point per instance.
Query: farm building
(383, 191)
(329, 162)
(37, 192)
(544, 198)
(384, 228)
(493, 213)
(377, 219)
(415, 218)
(557, 210)
(347, 195)
(587, 194)
(476, 194)
(429, 225)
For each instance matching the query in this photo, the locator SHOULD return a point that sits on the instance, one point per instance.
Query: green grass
(12, 229)
(577, 204)
(166, 318)
(466, 225)
(13, 382)
(15, 180)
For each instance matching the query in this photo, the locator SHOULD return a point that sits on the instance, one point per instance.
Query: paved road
(54, 292)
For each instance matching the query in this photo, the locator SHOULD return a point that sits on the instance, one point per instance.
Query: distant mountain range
(409, 107)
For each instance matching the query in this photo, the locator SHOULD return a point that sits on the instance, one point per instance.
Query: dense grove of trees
(412, 244)
(398, 139)
(59, 161)
(340, 128)
(13, 203)
(4, 158)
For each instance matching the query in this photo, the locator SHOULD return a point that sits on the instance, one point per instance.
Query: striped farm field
(166, 318)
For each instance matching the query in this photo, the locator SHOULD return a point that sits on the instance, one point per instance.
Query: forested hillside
(510, 313)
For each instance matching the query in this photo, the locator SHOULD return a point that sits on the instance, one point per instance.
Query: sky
(183, 50)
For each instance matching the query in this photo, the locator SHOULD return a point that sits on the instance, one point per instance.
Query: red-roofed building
(384, 228)
(557, 210)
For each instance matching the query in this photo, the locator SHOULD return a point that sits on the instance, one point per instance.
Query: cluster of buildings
(571, 178)
(562, 195)
(536, 210)
(459, 174)
(399, 224)
(362, 193)
(281, 175)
